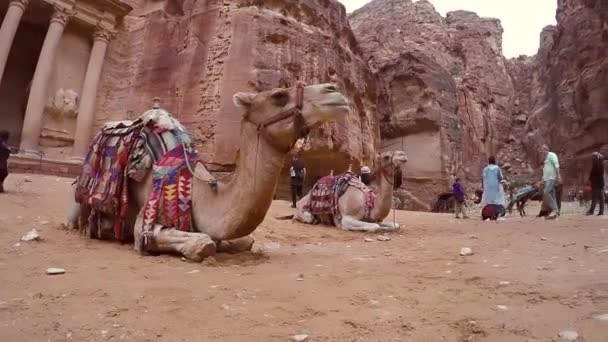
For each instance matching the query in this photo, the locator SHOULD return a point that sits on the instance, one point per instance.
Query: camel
(225, 214)
(352, 203)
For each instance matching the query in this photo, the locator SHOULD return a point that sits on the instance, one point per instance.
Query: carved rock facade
(196, 54)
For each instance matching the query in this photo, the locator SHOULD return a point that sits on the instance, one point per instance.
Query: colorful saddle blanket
(121, 151)
(170, 203)
(103, 178)
(326, 192)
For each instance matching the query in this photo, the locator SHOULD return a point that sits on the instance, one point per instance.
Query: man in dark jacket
(459, 194)
(297, 174)
(596, 178)
(4, 154)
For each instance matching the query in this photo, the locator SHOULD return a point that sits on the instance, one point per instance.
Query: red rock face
(570, 91)
(196, 54)
(445, 90)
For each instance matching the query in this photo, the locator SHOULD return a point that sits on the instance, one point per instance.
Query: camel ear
(243, 100)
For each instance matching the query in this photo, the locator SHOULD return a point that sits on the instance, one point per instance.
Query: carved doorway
(20, 67)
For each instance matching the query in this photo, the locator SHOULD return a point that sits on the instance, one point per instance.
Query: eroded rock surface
(196, 54)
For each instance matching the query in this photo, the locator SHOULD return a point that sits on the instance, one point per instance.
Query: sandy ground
(329, 284)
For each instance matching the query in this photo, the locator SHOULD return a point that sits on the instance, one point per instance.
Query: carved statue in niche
(64, 104)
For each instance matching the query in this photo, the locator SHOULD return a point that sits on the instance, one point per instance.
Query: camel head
(391, 164)
(391, 161)
(319, 103)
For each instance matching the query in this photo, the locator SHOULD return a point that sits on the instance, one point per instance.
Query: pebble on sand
(466, 251)
(504, 283)
(602, 317)
(32, 235)
(502, 307)
(54, 271)
(368, 240)
(569, 336)
(299, 338)
(384, 238)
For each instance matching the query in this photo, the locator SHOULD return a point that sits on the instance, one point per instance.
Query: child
(458, 193)
(4, 154)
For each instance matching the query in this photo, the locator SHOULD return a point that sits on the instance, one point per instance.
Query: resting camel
(226, 214)
(352, 203)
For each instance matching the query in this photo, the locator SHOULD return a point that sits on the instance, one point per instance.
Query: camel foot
(237, 245)
(392, 226)
(352, 224)
(199, 248)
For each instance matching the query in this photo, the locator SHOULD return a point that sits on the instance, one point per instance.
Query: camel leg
(389, 226)
(236, 246)
(352, 224)
(71, 220)
(194, 246)
(304, 217)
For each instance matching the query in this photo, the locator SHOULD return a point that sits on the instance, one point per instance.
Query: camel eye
(387, 158)
(280, 98)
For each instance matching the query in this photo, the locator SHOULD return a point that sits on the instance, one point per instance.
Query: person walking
(596, 178)
(551, 179)
(5, 152)
(459, 195)
(297, 173)
(493, 194)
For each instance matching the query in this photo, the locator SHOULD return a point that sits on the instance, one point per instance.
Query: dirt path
(319, 281)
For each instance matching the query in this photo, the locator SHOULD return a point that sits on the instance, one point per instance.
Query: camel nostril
(331, 88)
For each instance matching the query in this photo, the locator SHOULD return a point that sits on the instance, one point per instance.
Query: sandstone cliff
(196, 54)
(445, 94)
(569, 94)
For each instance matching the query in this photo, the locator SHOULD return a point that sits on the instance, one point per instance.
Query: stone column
(86, 111)
(32, 124)
(9, 29)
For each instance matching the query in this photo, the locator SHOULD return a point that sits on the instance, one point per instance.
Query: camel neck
(384, 197)
(245, 199)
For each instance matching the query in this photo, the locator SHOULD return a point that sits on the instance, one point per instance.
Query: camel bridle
(300, 126)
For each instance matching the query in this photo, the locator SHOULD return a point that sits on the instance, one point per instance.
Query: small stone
(116, 325)
(448, 272)
(209, 261)
(569, 336)
(570, 258)
(502, 307)
(374, 303)
(466, 251)
(300, 277)
(504, 283)
(103, 332)
(368, 240)
(299, 338)
(271, 245)
(44, 222)
(27, 180)
(226, 307)
(384, 238)
(193, 271)
(602, 317)
(54, 271)
(32, 235)
(17, 244)
(543, 239)
(473, 237)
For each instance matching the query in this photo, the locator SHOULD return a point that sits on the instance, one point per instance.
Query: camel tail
(287, 217)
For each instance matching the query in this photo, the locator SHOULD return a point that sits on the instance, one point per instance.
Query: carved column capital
(62, 15)
(19, 3)
(103, 35)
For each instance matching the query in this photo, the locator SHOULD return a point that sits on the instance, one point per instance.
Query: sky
(522, 20)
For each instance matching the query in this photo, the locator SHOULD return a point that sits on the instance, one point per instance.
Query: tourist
(493, 196)
(4, 154)
(459, 195)
(551, 178)
(596, 178)
(297, 174)
(366, 175)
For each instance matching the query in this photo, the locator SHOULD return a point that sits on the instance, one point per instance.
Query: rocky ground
(527, 280)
